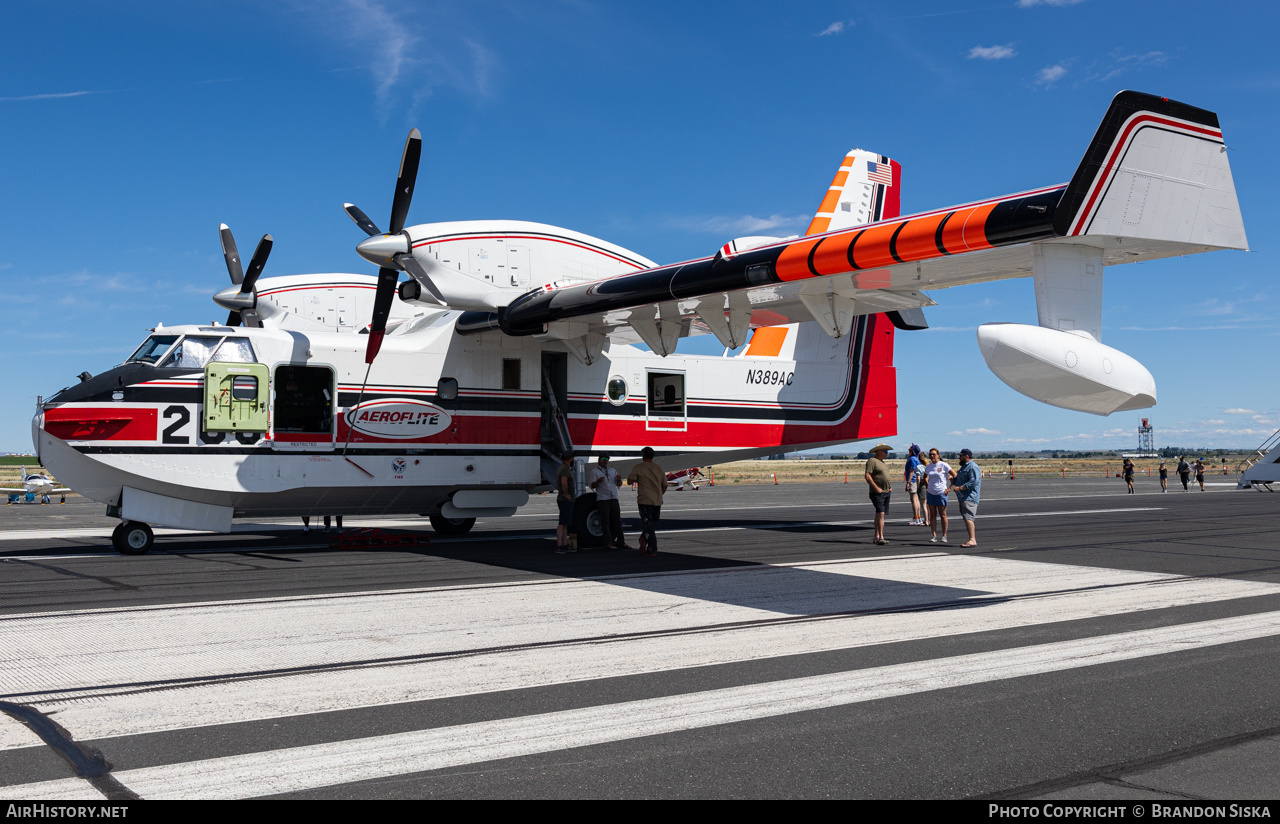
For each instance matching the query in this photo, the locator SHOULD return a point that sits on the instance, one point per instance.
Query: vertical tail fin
(866, 188)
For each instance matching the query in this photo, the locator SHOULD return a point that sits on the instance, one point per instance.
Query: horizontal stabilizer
(1155, 170)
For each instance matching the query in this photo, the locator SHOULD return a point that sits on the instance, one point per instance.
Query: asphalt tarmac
(1095, 645)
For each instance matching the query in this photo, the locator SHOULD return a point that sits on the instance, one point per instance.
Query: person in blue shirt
(913, 467)
(967, 484)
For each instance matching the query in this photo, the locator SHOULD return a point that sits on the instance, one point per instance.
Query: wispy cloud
(1117, 63)
(1050, 74)
(53, 95)
(992, 52)
(1238, 411)
(836, 28)
(976, 431)
(1026, 4)
(406, 56)
(737, 225)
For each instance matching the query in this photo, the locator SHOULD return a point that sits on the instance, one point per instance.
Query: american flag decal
(880, 173)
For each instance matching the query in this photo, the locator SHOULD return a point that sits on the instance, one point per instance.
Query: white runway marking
(302, 768)
(510, 536)
(426, 644)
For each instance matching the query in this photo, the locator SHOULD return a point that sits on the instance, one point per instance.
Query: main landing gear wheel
(452, 526)
(587, 524)
(132, 538)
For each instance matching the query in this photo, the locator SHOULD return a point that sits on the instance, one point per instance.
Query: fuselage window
(304, 399)
(447, 389)
(510, 373)
(617, 391)
(152, 349)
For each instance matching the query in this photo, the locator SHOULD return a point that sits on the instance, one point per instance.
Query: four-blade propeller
(242, 300)
(391, 249)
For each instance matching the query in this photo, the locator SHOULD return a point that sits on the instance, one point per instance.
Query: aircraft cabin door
(555, 405)
(303, 412)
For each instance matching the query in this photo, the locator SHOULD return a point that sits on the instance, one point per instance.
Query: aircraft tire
(133, 538)
(586, 522)
(451, 526)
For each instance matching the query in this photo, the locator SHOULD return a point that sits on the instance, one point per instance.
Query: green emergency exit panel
(235, 397)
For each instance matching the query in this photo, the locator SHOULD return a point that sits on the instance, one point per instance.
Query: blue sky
(131, 130)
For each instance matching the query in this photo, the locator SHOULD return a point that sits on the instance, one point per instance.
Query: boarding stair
(555, 428)
(1262, 468)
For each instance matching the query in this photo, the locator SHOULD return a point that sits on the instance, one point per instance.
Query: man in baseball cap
(879, 486)
(967, 484)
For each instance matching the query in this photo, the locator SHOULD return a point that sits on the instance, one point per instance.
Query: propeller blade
(387, 280)
(233, 319)
(410, 264)
(255, 265)
(231, 254)
(405, 182)
(361, 219)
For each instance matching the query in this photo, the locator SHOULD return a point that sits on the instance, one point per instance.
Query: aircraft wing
(1154, 183)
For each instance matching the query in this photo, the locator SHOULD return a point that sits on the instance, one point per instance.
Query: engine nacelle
(1066, 369)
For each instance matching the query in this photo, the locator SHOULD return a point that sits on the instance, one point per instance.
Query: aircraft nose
(380, 249)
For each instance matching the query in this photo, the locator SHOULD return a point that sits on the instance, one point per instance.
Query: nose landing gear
(132, 538)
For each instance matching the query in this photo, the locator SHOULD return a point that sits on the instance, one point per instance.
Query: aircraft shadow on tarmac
(785, 590)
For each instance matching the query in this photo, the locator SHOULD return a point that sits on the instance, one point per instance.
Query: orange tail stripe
(818, 225)
(793, 263)
(873, 247)
(829, 202)
(767, 341)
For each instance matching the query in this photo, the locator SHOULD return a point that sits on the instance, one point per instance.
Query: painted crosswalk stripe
(309, 767)
(149, 669)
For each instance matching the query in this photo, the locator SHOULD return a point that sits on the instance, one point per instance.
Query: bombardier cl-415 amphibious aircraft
(513, 342)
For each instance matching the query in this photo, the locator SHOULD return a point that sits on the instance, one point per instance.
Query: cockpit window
(234, 350)
(152, 349)
(193, 352)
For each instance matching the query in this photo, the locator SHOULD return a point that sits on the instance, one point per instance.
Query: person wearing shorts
(909, 475)
(565, 483)
(1164, 477)
(879, 486)
(939, 474)
(967, 484)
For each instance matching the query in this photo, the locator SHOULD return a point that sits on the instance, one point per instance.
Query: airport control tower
(1146, 439)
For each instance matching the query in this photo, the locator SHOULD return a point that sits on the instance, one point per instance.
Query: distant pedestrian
(651, 484)
(604, 481)
(306, 524)
(565, 483)
(968, 484)
(939, 474)
(1128, 474)
(1199, 467)
(912, 468)
(327, 521)
(877, 477)
(1164, 477)
(1184, 472)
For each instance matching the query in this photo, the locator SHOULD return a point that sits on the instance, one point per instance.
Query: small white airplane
(690, 477)
(35, 484)
(513, 342)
